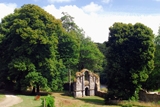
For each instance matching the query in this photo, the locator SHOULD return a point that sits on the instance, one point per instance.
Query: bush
(48, 101)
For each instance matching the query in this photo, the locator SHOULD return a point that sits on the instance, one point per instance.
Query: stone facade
(86, 83)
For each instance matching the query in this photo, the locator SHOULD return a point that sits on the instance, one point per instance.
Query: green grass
(63, 100)
(137, 104)
(2, 96)
(93, 100)
(28, 101)
(158, 90)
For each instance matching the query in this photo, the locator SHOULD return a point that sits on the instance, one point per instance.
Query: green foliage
(129, 59)
(29, 47)
(86, 53)
(68, 22)
(102, 47)
(90, 56)
(128, 105)
(153, 81)
(48, 101)
(69, 45)
(37, 51)
(68, 49)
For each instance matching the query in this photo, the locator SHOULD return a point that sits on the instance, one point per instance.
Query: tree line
(37, 50)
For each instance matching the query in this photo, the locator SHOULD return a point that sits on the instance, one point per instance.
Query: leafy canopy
(89, 56)
(28, 44)
(129, 59)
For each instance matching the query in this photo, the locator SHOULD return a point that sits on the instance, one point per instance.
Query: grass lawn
(28, 101)
(138, 104)
(62, 100)
(2, 96)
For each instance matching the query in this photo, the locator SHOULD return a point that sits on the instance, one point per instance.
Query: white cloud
(52, 10)
(92, 7)
(6, 9)
(58, 1)
(106, 1)
(97, 25)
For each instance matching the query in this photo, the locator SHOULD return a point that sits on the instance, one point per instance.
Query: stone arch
(86, 91)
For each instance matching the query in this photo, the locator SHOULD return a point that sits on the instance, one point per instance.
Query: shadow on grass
(4, 92)
(87, 99)
(93, 100)
(66, 93)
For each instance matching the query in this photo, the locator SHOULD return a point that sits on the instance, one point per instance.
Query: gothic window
(87, 76)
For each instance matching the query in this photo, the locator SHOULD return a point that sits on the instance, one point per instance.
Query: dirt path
(10, 100)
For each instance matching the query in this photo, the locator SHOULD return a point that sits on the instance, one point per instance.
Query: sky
(96, 16)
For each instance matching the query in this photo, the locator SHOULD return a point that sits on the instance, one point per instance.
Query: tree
(89, 55)
(157, 38)
(68, 22)
(29, 48)
(129, 59)
(102, 47)
(153, 82)
(68, 48)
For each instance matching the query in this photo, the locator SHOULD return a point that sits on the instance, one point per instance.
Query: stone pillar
(91, 85)
(83, 85)
(98, 84)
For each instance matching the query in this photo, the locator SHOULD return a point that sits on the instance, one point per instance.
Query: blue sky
(96, 16)
(131, 6)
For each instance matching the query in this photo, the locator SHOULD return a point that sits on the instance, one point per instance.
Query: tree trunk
(33, 90)
(19, 88)
(69, 80)
(37, 85)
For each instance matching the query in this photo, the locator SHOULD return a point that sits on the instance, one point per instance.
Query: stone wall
(143, 96)
(101, 94)
(149, 96)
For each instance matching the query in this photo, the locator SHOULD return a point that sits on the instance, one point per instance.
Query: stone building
(86, 83)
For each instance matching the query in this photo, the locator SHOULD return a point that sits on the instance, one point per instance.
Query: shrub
(48, 101)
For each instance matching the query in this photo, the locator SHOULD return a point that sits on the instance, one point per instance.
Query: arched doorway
(86, 91)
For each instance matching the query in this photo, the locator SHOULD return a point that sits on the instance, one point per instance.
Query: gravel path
(10, 100)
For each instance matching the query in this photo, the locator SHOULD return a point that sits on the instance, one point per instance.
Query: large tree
(28, 44)
(129, 59)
